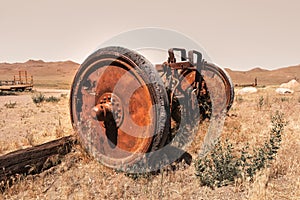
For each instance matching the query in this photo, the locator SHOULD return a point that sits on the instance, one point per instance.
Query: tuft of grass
(30, 138)
(261, 102)
(284, 99)
(59, 131)
(39, 98)
(8, 93)
(222, 166)
(239, 99)
(65, 95)
(138, 176)
(52, 99)
(10, 105)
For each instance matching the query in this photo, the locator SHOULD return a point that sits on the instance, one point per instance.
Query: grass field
(81, 177)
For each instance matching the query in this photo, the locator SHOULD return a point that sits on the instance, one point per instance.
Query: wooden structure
(34, 159)
(21, 82)
(248, 85)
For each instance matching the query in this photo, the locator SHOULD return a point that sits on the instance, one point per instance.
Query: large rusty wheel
(119, 107)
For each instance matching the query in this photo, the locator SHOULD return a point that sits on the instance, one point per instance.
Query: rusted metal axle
(109, 108)
(102, 112)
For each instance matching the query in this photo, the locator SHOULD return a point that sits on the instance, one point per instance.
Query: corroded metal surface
(216, 86)
(109, 107)
(122, 108)
(210, 83)
(115, 107)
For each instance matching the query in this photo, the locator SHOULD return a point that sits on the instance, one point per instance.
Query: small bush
(219, 167)
(261, 102)
(10, 105)
(222, 167)
(8, 93)
(283, 99)
(239, 99)
(38, 98)
(52, 99)
(64, 95)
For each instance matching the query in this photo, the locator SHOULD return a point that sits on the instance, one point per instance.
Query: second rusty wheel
(119, 107)
(217, 88)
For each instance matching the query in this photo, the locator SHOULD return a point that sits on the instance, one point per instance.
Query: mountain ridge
(55, 73)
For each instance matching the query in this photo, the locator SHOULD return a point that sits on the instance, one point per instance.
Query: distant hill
(60, 74)
(45, 74)
(265, 77)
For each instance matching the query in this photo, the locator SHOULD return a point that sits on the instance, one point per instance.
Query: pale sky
(238, 34)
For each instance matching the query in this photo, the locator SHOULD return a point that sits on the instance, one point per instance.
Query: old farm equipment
(21, 82)
(123, 107)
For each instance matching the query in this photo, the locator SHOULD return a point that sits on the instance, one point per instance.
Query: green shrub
(222, 167)
(219, 167)
(38, 98)
(52, 99)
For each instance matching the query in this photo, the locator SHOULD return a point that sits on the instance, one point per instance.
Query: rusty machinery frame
(193, 61)
(98, 113)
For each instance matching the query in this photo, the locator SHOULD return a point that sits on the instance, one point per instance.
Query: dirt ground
(81, 177)
(24, 123)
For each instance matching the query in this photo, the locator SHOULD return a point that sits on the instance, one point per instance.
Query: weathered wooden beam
(34, 159)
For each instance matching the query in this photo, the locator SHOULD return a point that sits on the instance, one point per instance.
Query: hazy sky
(238, 34)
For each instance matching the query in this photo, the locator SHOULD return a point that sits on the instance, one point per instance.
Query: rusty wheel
(211, 72)
(216, 80)
(119, 107)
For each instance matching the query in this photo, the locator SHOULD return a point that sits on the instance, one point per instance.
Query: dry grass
(26, 123)
(80, 177)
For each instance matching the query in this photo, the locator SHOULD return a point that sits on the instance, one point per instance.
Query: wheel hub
(109, 107)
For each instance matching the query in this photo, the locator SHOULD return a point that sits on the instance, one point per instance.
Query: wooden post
(20, 77)
(34, 159)
(26, 77)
